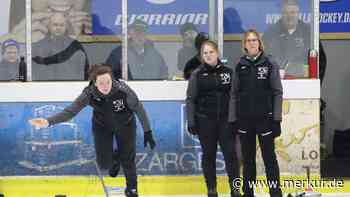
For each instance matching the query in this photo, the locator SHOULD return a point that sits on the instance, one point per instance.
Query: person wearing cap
(288, 41)
(114, 105)
(144, 61)
(188, 33)
(58, 56)
(195, 61)
(9, 65)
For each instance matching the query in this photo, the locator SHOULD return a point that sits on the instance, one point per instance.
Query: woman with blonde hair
(256, 109)
(207, 102)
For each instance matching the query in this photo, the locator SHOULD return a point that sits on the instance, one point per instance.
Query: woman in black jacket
(114, 104)
(256, 108)
(207, 112)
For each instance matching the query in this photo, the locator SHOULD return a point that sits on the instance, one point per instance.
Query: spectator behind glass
(232, 21)
(76, 10)
(57, 56)
(9, 64)
(195, 61)
(144, 61)
(288, 41)
(188, 33)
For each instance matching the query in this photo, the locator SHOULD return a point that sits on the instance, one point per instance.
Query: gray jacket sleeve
(136, 106)
(232, 113)
(70, 111)
(277, 91)
(191, 99)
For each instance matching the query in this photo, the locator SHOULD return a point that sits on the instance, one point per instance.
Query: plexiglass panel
(285, 26)
(12, 38)
(62, 39)
(161, 37)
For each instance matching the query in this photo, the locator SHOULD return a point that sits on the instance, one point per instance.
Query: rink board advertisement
(335, 16)
(163, 16)
(166, 16)
(67, 148)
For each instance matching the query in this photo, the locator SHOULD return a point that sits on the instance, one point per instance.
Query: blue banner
(240, 15)
(335, 16)
(68, 149)
(166, 16)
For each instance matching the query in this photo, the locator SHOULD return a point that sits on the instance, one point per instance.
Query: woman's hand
(39, 123)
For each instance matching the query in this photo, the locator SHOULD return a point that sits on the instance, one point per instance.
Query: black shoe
(114, 170)
(277, 193)
(212, 193)
(245, 195)
(131, 193)
(235, 194)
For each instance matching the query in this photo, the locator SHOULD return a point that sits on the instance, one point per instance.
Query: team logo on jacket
(225, 78)
(118, 105)
(262, 72)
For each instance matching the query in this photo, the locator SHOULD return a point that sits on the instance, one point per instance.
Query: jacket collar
(255, 60)
(211, 68)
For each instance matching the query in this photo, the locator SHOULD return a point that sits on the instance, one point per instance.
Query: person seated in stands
(9, 65)
(288, 41)
(195, 61)
(77, 11)
(188, 33)
(144, 60)
(58, 56)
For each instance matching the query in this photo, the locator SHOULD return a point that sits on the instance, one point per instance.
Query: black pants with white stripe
(248, 129)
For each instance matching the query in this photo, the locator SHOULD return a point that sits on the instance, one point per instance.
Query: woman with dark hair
(114, 104)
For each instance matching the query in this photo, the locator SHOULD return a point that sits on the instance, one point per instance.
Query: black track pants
(212, 132)
(248, 129)
(126, 142)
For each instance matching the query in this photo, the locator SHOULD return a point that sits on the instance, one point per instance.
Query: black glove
(39, 60)
(192, 130)
(148, 139)
(276, 128)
